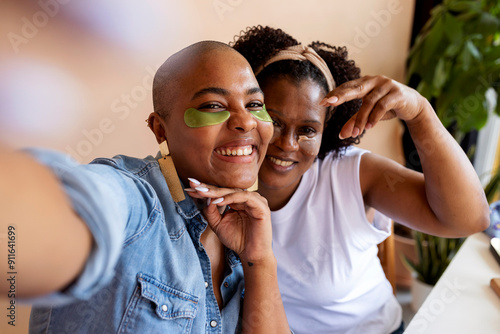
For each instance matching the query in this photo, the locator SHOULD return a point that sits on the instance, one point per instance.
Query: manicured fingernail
(208, 201)
(355, 132)
(195, 181)
(189, 190)
(340, 136)
(218, 200)
(368, 126)
(201, 189)
(333, 99)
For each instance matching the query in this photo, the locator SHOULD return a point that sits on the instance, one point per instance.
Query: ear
(157, 125)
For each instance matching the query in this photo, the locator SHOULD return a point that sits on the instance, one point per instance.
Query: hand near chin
(382, 99)
(245, 227)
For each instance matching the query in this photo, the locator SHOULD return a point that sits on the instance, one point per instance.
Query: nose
(242, 121)
(286, 141)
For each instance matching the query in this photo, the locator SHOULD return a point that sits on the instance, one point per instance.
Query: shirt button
(213, 323)
(164, 308)
(226, 284)
(206, 284)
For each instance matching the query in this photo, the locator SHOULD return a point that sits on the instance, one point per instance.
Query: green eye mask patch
(195, 118)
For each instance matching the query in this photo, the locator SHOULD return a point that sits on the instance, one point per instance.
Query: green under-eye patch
(262, 114)
(195, 118)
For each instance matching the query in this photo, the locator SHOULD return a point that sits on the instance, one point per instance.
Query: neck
(277, 198)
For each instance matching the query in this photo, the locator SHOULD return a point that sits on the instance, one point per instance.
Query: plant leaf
(493, 186)
(432, 41)
(487, 24)
(441, 74)
(453, 29)
(473, 50)
(464, 6)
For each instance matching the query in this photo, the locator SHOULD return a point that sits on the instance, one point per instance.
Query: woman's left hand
(245, 227)
(382, 99)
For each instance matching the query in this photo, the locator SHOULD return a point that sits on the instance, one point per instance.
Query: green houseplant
(492, 189)
(456, 59)
(434, 254)
(455, 64)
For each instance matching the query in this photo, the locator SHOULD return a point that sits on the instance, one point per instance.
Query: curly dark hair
(258, 44)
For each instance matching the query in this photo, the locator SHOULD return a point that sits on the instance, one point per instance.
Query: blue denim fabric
(147, 270)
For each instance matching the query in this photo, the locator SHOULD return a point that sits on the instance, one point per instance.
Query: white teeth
(247, 150)
(281, 162)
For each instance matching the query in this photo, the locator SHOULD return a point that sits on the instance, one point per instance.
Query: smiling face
(227, 154)
(298, 128)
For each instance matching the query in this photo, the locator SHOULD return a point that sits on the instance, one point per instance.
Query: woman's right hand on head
(245, 227)
(382, 99)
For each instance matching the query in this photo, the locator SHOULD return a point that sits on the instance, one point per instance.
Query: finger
(350, 90)
(204, 190)
(382, 110)
(367, 108)
(212, 216)
(348, 127)
(252, 203)
(193, 193)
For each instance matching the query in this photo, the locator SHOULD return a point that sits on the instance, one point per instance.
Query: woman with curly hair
(320, 188)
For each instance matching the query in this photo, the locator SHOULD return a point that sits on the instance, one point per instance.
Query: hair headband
(301, 52)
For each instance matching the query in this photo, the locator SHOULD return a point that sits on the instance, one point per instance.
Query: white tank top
(329, 274)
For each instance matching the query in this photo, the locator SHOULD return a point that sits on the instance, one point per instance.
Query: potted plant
(434, 254)
(455, 62)
(404, 247)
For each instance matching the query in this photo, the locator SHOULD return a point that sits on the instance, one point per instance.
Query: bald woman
(118, 245)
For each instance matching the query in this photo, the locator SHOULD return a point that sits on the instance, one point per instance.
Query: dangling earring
(170, 174)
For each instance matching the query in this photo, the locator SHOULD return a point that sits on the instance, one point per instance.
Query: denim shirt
(147, 271)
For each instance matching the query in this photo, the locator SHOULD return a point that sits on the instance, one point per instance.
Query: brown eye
(255, 105)
(275, 122)
(212, 107)
(308, 131)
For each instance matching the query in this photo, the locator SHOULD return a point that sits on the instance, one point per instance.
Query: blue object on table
(494, 229)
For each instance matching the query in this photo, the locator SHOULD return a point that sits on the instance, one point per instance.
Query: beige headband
(301, 52)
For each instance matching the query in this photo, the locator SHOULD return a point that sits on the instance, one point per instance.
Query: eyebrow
(224, 92)
(254, 90)
(283, 115)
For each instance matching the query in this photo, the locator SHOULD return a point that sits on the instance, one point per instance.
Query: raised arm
(447, 199)
(246, 229)
(48, 244)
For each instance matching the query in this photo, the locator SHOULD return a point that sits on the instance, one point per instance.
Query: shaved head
(210, 77)
(169, 75)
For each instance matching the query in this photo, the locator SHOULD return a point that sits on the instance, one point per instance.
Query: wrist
(267, 262)
(424, 115)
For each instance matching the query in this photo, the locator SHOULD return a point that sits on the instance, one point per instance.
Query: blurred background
(76, 76)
